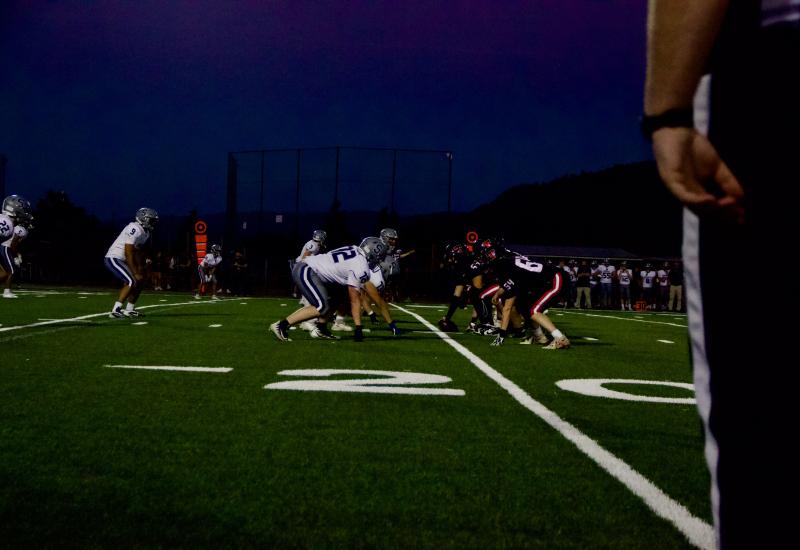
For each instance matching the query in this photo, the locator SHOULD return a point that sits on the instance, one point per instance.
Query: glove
(18, 260)
(374, 318)
(498, 341)
(358, 335)
(395, 331)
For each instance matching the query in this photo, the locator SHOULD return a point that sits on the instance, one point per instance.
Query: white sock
(129, 307)
(339, 319)
(116, 305)
(538, 331)
(557, 334)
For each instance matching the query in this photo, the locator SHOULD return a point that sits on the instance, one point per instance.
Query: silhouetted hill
(625, 206)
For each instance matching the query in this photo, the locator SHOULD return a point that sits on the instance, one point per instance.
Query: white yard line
(94, 315)
(170, 367)
(698, 532)
(626, 319)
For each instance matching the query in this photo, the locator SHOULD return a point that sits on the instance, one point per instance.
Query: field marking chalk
(221, 370)
(140, 323)
(214, 326)
(665, 341)
(92, 316)
(697, 531)
(642, 320)
(589, 338)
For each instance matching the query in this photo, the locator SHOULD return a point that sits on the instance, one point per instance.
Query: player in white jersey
(606, 272)
(206, 272)
(648, 276)
(625, 276)
(314, 246)
(122, 260)
(311, 248)
(320, 276)
(663, 286)
(373, 290)
(15, 219)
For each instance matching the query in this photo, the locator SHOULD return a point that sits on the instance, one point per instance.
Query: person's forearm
(680, 36)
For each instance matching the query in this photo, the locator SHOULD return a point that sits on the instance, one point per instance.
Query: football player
(625, 276)
(206, 272)
(458, 258)
(529, 287)
(15, 221)
(314, 246)
(391, 264)
(373, 290)
(123, 261)
(320, 276)
(648, 277)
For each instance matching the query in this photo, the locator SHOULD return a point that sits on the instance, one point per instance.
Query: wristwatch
(671, 118)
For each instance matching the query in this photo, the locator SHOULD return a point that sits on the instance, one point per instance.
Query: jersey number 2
(344, 253)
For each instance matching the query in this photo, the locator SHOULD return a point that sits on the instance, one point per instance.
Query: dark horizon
(121, 105)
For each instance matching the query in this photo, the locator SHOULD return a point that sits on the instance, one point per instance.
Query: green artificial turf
(98, 456)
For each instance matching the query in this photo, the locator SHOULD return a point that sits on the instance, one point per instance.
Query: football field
(238, 440)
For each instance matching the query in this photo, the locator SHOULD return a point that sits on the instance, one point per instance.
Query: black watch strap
(672, 118)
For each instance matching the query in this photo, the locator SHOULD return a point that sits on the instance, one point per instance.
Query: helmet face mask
(389, 236)
(18, 208)
(147, 218)
(216, 249)
(319, 236)
(374, 249)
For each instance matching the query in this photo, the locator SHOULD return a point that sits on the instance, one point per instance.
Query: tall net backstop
(277, 197)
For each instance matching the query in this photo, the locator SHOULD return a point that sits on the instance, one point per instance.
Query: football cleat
(446, 325)
(117, 313)
(308, 325)
(280, 331)
(533, 339)
(132, 313)
(321, 331)
(558, 343)
(8, 294)
(341, 327)
(472, 327)
(487, 330)
(498, 341)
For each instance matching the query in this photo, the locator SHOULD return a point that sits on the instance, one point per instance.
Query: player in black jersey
(528, 287)
(468, 272)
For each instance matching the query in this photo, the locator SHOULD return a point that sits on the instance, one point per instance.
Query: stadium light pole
(336, 181)
(394, 179)
(261, 199)
(297, 197)
(449, 180)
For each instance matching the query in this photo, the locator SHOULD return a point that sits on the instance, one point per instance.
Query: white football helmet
(374, 249)
(147, 217)
(319, 236)
(216, 250)
(388, 235)
(18, 208)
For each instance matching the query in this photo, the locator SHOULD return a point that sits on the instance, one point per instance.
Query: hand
(498, 341)
(395, 331)
(18, 260)
(688, 165)
(358, 335)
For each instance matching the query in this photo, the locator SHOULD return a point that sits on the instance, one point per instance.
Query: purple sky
(123, 104)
